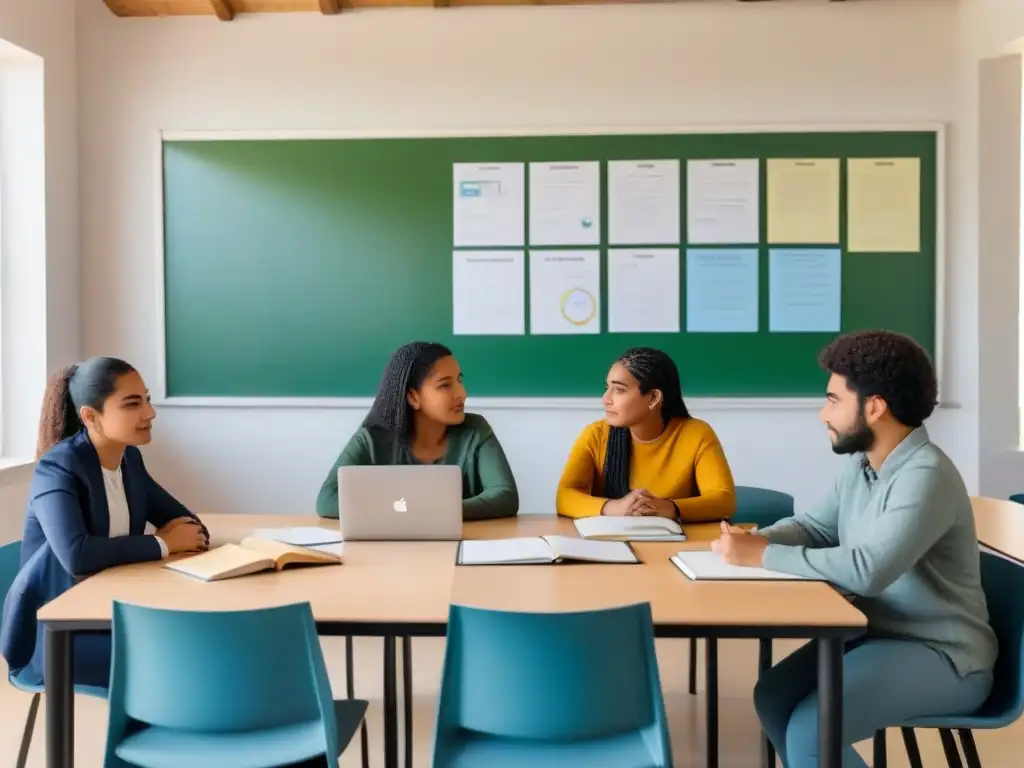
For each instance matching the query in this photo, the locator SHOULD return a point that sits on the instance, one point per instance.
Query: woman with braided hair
(419, 417)
(648, 456)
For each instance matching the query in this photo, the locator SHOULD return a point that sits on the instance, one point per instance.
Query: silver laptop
(400, 503)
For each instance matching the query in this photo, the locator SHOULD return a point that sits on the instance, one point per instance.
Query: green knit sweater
(488, 487)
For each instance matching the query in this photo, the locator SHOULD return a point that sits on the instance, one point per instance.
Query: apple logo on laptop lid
(401, 505)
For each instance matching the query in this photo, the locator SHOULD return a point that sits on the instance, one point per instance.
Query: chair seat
(158, 747)
(84, 690)
(975, 722)
(472, 750)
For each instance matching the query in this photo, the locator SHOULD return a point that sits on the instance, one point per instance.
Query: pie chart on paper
(578, 306)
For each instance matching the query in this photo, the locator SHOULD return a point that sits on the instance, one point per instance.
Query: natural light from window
(22, 248)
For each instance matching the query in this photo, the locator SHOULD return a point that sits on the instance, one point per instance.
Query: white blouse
(117, 504)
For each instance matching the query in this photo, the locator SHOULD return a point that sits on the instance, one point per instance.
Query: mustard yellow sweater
(685, 464)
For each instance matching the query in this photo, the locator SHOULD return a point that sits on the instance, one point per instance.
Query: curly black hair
(888, 365)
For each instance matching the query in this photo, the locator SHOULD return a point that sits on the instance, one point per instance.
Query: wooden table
(405, 589)
(1000, 525)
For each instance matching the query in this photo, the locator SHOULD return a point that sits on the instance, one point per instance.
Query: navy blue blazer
(66, 538)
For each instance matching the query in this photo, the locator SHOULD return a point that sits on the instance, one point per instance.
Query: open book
(630, 528)
(251, 556)
(709, 566)
(543, 549)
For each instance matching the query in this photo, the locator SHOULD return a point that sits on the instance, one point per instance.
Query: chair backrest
(762, 506)
(554, 677)
(1003, 581)
(215, 671)
(10, 564)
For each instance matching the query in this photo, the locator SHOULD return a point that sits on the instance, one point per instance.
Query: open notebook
(630, 528)
(543, 549)
(709, 566)
(251, 556)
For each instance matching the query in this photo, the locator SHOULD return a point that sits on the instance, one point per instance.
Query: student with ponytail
(648, 456)
(418, 417)
(90, 500)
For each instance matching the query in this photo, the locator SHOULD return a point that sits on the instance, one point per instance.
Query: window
(23, 224)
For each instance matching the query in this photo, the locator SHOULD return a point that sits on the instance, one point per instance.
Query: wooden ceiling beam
(223, 9)
(330, 7)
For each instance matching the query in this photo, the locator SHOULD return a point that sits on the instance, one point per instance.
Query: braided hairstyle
(73, 387)
(408, 369)
(652, 369)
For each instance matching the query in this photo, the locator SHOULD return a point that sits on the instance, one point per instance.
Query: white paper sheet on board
(565, 292)
(643, 290)
(489, 204)
(488, 293)
(565, 203)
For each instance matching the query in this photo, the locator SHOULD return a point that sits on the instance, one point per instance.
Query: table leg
(711, 703)
(830, 703)
(407, 694)
(60, 700)
(764, 663)
(390, 703)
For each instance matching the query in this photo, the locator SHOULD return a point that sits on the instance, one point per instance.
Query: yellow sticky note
(884, 205)
(803, 201)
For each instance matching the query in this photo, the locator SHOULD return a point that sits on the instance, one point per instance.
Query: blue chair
(233, 689)
(1003, 581)
(10, 562)
(527, 689)
(1017, 497)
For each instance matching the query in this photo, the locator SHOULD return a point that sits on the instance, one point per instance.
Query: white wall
(681, 64)
(989, 28)
(45, 337)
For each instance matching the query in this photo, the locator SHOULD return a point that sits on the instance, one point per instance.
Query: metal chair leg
(913, 751)
(970, 748)
(693, 666)
(30, 727)
(407, 691)
(950, 748)
(879, 756)
(350, 691)
(764, 663)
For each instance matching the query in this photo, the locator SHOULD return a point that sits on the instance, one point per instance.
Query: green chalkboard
(293, 268)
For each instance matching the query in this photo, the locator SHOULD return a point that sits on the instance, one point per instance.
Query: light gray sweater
(903, 543)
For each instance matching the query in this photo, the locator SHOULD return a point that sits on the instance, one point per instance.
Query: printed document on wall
(643, 202)
(643, 290)
(489, 204)
(723, 201)
(565, 292)
(488, 293)
(803, 201)
(805, 289)
(883, 205)
(565, 203)
(722, 290)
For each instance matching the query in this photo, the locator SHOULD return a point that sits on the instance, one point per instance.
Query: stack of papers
(308, 536)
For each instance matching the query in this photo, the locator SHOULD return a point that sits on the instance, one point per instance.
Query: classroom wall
(991, 28)
(673, 64)
(45, 28)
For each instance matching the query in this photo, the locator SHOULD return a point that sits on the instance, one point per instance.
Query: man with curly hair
(896, 533)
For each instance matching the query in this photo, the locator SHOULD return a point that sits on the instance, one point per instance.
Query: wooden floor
(738, 724)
